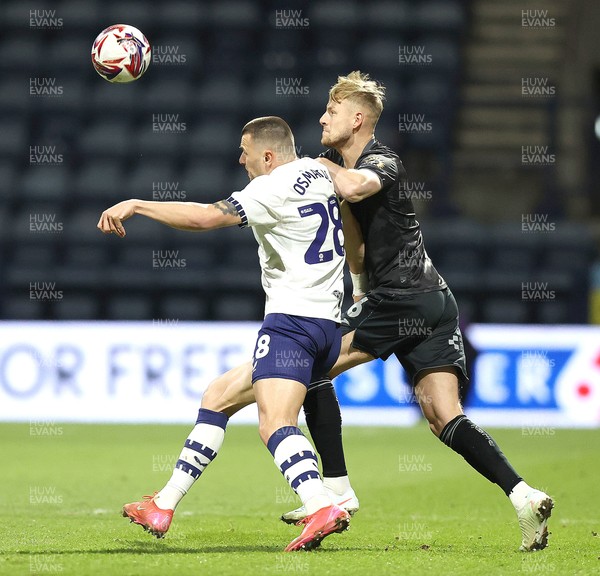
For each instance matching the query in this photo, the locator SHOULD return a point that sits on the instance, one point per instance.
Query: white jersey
(296, 221)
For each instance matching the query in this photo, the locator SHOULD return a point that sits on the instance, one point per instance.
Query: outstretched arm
(190, 216)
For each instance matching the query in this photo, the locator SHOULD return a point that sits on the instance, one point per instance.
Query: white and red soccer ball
(121, 53)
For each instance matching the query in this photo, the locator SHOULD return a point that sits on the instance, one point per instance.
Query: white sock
(339, 485)
(519, 493)
(200, 449)
(295, 457)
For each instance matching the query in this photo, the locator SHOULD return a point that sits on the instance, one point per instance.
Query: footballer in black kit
(404, 308)
(409, 310)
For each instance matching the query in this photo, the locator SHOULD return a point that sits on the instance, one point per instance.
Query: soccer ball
(121, 53)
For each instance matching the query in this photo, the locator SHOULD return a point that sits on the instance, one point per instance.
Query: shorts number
(262, 346)
(314, 255)
(356, 309)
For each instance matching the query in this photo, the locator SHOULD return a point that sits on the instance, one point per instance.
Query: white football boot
(348, 501)
(533, 519)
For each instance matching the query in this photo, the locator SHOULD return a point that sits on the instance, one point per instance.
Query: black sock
(479, 449)
(324, 421)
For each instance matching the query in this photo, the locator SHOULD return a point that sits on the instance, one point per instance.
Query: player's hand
(357, 297)
(111, 220)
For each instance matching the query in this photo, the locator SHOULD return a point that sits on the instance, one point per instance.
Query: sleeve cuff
(240, 210)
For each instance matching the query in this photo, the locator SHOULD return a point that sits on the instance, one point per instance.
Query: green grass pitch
(423, 509)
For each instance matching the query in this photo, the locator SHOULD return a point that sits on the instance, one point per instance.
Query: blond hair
(360, 89)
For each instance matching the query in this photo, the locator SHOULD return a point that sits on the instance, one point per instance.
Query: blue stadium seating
(232, 56)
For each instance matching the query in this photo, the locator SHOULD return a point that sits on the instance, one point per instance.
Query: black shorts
(420, 329)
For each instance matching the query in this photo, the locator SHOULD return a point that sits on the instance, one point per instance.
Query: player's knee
(208, 400)
(213, 399)
(435, 425)
(265, 430)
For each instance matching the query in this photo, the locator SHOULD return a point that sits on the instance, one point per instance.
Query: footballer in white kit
(295, 217)
(296, 221)
(291, 205)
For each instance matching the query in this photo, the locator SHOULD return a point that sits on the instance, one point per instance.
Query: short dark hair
(270, 130)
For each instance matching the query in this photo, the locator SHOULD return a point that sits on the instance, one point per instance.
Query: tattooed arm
(182, 215)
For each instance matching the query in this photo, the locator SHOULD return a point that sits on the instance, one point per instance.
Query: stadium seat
(429, 93)
(25, 270)
(235, 14)
(462, 280)
(42, 255)
(224, 93)
(503, 282)
(116, 104)
(333, 51)
(81, 228)
(231, 49)
(288, 40)
(512, 258)
(84, 268)
(511, 235)
(49, 183)
(100, 179)
(575, 260)
(554, 312)
(131, 307)
(184, 14)
(8, 177)
(147, 175)
(129, 11)
(111, 151)
(239, 307)
(316, 102)
(379, 52)
(65, 108)
(335, 14)
(71, 54)
(444, 15)
(86, 256)
(82, 15)
(5, 226)
(395, 94)
(388, 14)
(166, 145)
(308, 137)
(445, 55)
(214, 137)
(194, 269)
(208, 179)
(15, 14)
(107, 138)
(184, 307)
(505, 311)
(76, 307)
(569, 235)
(21, 307)
(12, 98)
(21, 51)
(15, 140)
(240, 266)
(267, 96)
(174, 93)
(23, 229)
(457, 231)
(462, 258)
